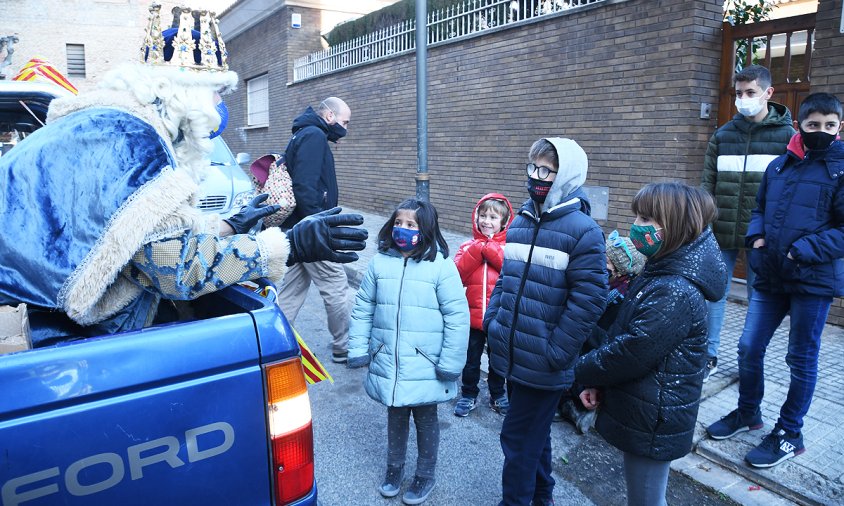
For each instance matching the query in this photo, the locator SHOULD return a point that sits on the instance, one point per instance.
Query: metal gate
(782, 45)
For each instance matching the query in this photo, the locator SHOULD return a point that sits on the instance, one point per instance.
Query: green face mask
(647, 239)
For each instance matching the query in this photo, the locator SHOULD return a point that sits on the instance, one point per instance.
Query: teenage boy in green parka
(736, 159)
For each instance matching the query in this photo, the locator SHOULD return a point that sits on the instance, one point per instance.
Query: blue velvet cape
(60, 189)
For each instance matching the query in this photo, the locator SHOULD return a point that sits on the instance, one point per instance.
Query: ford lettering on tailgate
(166, 449)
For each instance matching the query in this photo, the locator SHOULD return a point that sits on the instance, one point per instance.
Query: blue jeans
(526, 442)
(715, 320)
(472, 369)
(766, 312)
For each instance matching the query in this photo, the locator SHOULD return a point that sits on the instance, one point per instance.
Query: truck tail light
(291, 431)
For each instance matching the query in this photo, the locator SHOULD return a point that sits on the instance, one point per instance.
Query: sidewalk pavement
(813, 478)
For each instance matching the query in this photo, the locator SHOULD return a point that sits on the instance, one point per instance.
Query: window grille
(466, 19)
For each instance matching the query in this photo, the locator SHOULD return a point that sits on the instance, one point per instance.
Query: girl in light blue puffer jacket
(410, 324)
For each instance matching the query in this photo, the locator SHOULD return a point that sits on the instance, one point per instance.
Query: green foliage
(741, 12)
(382, 18)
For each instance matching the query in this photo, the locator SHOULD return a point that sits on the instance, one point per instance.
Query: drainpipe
(422, 177)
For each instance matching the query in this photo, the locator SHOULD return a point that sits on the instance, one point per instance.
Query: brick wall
(270, 48)
(828, 58)
(110, 30)
(828, 76)
(624, 79)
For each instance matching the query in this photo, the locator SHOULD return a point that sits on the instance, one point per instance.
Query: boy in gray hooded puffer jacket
(551, 291)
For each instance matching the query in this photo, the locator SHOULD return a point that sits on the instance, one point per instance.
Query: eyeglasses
(540, 171)
(618, 242)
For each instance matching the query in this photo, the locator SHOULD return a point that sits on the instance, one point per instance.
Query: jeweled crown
(192, 42)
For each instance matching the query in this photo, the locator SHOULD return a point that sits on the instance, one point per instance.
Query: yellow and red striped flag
(38, 69)
(314, 370)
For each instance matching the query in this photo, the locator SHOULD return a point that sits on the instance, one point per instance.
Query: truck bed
(171, 414)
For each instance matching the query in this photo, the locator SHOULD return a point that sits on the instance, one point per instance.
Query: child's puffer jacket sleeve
(411, 322)
(360, 325)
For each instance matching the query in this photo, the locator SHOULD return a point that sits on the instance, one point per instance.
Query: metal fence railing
(469, 17)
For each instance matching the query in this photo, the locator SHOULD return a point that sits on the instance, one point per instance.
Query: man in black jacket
(310, 163)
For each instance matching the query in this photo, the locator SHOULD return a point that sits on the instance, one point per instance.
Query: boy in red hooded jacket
(479, 262)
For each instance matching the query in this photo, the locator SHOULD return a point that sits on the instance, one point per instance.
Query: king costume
(100, 223)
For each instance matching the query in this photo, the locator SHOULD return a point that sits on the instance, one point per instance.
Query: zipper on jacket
(376, 351)
(519, 293)
(420, 352)
(483, 300)
(398, 328)
(741, 189)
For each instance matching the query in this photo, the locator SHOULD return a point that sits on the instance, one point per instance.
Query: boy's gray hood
(571, 174)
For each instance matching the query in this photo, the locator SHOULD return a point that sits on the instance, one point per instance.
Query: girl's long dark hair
(431, 239)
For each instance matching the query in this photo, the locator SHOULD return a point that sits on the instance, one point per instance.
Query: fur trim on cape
(275, 247)
(128, 230)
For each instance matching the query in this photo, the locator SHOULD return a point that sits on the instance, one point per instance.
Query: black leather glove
(250, 214)
(321, 236)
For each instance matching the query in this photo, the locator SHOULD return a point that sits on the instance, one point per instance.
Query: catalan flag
(38, 69)
(314, 370)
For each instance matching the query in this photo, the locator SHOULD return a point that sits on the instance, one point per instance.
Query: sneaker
(734, 423)
(464, 406)
(419, 490)
(711, 368)
(339, 357)
(777, 446)
(392, 481)
(500, 405)
(542, 502)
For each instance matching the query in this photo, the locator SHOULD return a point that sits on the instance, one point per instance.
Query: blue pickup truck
(209, 408)
(211, 411)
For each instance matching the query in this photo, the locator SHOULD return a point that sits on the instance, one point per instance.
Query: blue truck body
(171, 414)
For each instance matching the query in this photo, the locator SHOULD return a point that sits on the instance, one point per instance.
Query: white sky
(217, 6)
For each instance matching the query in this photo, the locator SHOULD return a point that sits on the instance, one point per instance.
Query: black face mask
(538, 190)
(336, 132)
(816, 140)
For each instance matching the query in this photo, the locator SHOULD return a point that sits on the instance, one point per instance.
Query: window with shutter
(257, 101)
(76, 60)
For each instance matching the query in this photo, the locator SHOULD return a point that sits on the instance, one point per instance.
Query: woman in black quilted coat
(646, 379)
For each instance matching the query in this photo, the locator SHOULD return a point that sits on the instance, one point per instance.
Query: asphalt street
(350, 446)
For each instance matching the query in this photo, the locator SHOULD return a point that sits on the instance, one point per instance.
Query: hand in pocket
(756, 259)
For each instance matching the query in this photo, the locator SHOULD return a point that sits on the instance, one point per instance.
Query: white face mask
(749, 107)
